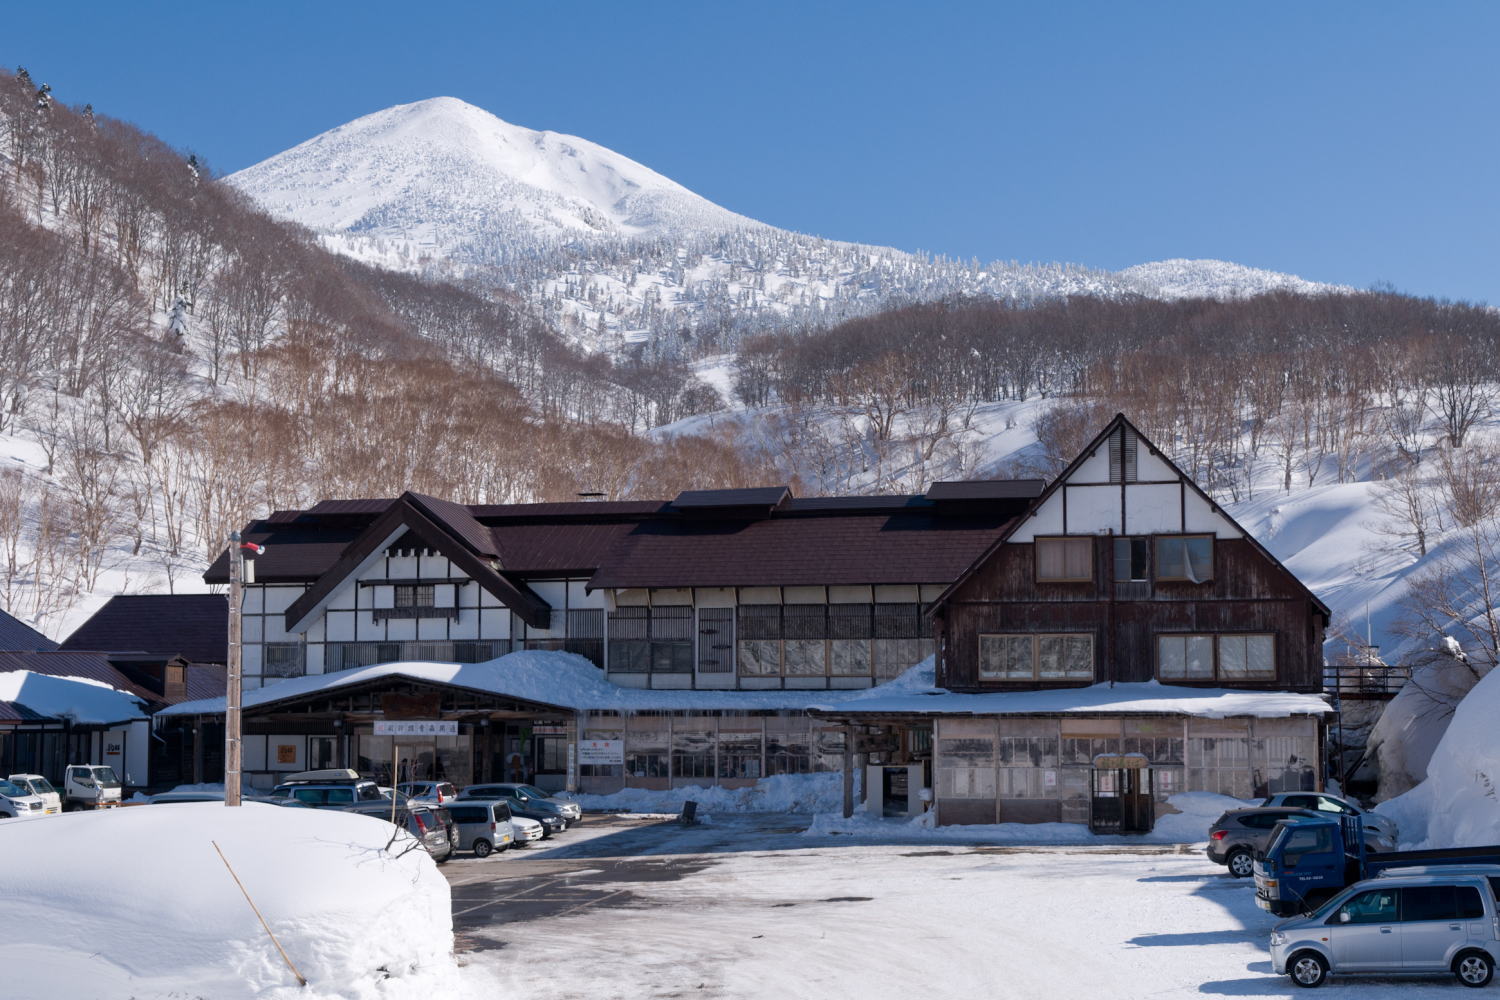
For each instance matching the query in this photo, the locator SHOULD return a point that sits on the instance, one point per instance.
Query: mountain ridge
(616, 254)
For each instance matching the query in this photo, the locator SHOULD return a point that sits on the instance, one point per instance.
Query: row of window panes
(1070, 656)
(884, 658)
(1224, 657)
(1025, 657)
(832, 621)
(1070, 559)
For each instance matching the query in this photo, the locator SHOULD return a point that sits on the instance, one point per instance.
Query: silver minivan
(1428, 923)
(483, 826)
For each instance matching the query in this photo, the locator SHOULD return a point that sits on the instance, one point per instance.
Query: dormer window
(1122, 463)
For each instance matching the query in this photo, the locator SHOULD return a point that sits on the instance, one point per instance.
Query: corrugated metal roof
(14, 711)
(807, 505)
(987, 489)
(16, 634)
(203, 681)
(193, 626)
(356, 506)
(457, 521)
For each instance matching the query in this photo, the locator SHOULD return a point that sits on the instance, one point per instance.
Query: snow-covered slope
(613, 252)
(1216, 279)
(441, 172)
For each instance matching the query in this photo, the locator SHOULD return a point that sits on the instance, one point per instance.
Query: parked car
(419, 821)
(437, 793)
(522, 803)
(527, 831)
(19, 803)
(1239, 835)
(1409, 924)
(42, 788)
(1330, 803)
(329, 787)
(484, 826)
(90, 786)
(571, 811)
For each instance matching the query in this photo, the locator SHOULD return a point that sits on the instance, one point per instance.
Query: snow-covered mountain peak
(441, 171)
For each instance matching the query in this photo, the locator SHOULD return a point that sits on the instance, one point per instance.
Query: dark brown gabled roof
(833, 549)
(16, 634)
(445, 526)
(193, 626)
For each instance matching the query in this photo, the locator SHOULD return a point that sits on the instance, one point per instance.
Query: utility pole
(232, 690)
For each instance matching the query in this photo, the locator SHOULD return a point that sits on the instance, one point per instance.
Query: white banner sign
(415, 727)
(601, 751)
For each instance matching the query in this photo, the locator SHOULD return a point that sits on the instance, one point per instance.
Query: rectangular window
(1065, 560)
(414, 595)
(1230, 657)
(1068, 656)
(651, 640)
(282, 659)
(1185, 557)
(1132, 559)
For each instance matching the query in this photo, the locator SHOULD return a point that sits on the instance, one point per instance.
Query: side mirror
(1343, 916)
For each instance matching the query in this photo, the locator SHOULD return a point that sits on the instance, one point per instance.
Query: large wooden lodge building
(1098, 643)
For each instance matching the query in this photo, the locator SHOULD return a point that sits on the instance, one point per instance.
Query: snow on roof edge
(569, 681)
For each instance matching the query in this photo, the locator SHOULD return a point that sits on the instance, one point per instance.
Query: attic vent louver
(1122, 447)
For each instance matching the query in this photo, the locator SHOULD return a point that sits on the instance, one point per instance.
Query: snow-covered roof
(77, 699)
(915, 693)
(569, 681)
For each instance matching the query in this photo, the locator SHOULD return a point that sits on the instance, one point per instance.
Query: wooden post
(848, 771)
(232, 691)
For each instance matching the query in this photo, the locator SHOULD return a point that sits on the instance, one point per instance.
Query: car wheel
(482, 848)
(1307, 968)
(1241, 863)
(1474, 968)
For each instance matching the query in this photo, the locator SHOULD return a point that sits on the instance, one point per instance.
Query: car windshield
(370, 793)
(1277, 840)
(42, 786)
(534, 791)
(12, 790)
(105, 775)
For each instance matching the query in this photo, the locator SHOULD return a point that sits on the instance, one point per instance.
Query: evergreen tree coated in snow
(44, 97)
(193, 166)
(88, 115)
(177, 321)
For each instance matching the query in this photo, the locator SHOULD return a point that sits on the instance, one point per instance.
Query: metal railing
(1355, 681)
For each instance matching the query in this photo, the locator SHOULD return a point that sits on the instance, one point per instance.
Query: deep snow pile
(784, 793)
(135, 902)
(1458, 805)
(78, 699)
(1189, 825)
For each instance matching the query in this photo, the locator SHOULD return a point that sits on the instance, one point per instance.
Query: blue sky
(1346, 142)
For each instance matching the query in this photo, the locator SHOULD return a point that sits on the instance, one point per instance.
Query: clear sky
(1353, 142)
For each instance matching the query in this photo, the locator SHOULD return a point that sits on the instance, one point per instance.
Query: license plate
(48, 812)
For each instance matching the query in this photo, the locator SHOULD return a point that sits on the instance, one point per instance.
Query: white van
(42, 789)
(18, 803)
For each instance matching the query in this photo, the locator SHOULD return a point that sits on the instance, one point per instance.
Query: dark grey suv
(1238, 835)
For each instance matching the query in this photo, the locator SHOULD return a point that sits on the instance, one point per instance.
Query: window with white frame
(1037, 657)
(1239, 656)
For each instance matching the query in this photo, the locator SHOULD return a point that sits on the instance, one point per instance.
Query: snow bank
(135, 902)
(1197, 811)
(1458, 805)
(782, 793)
(79, 699)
